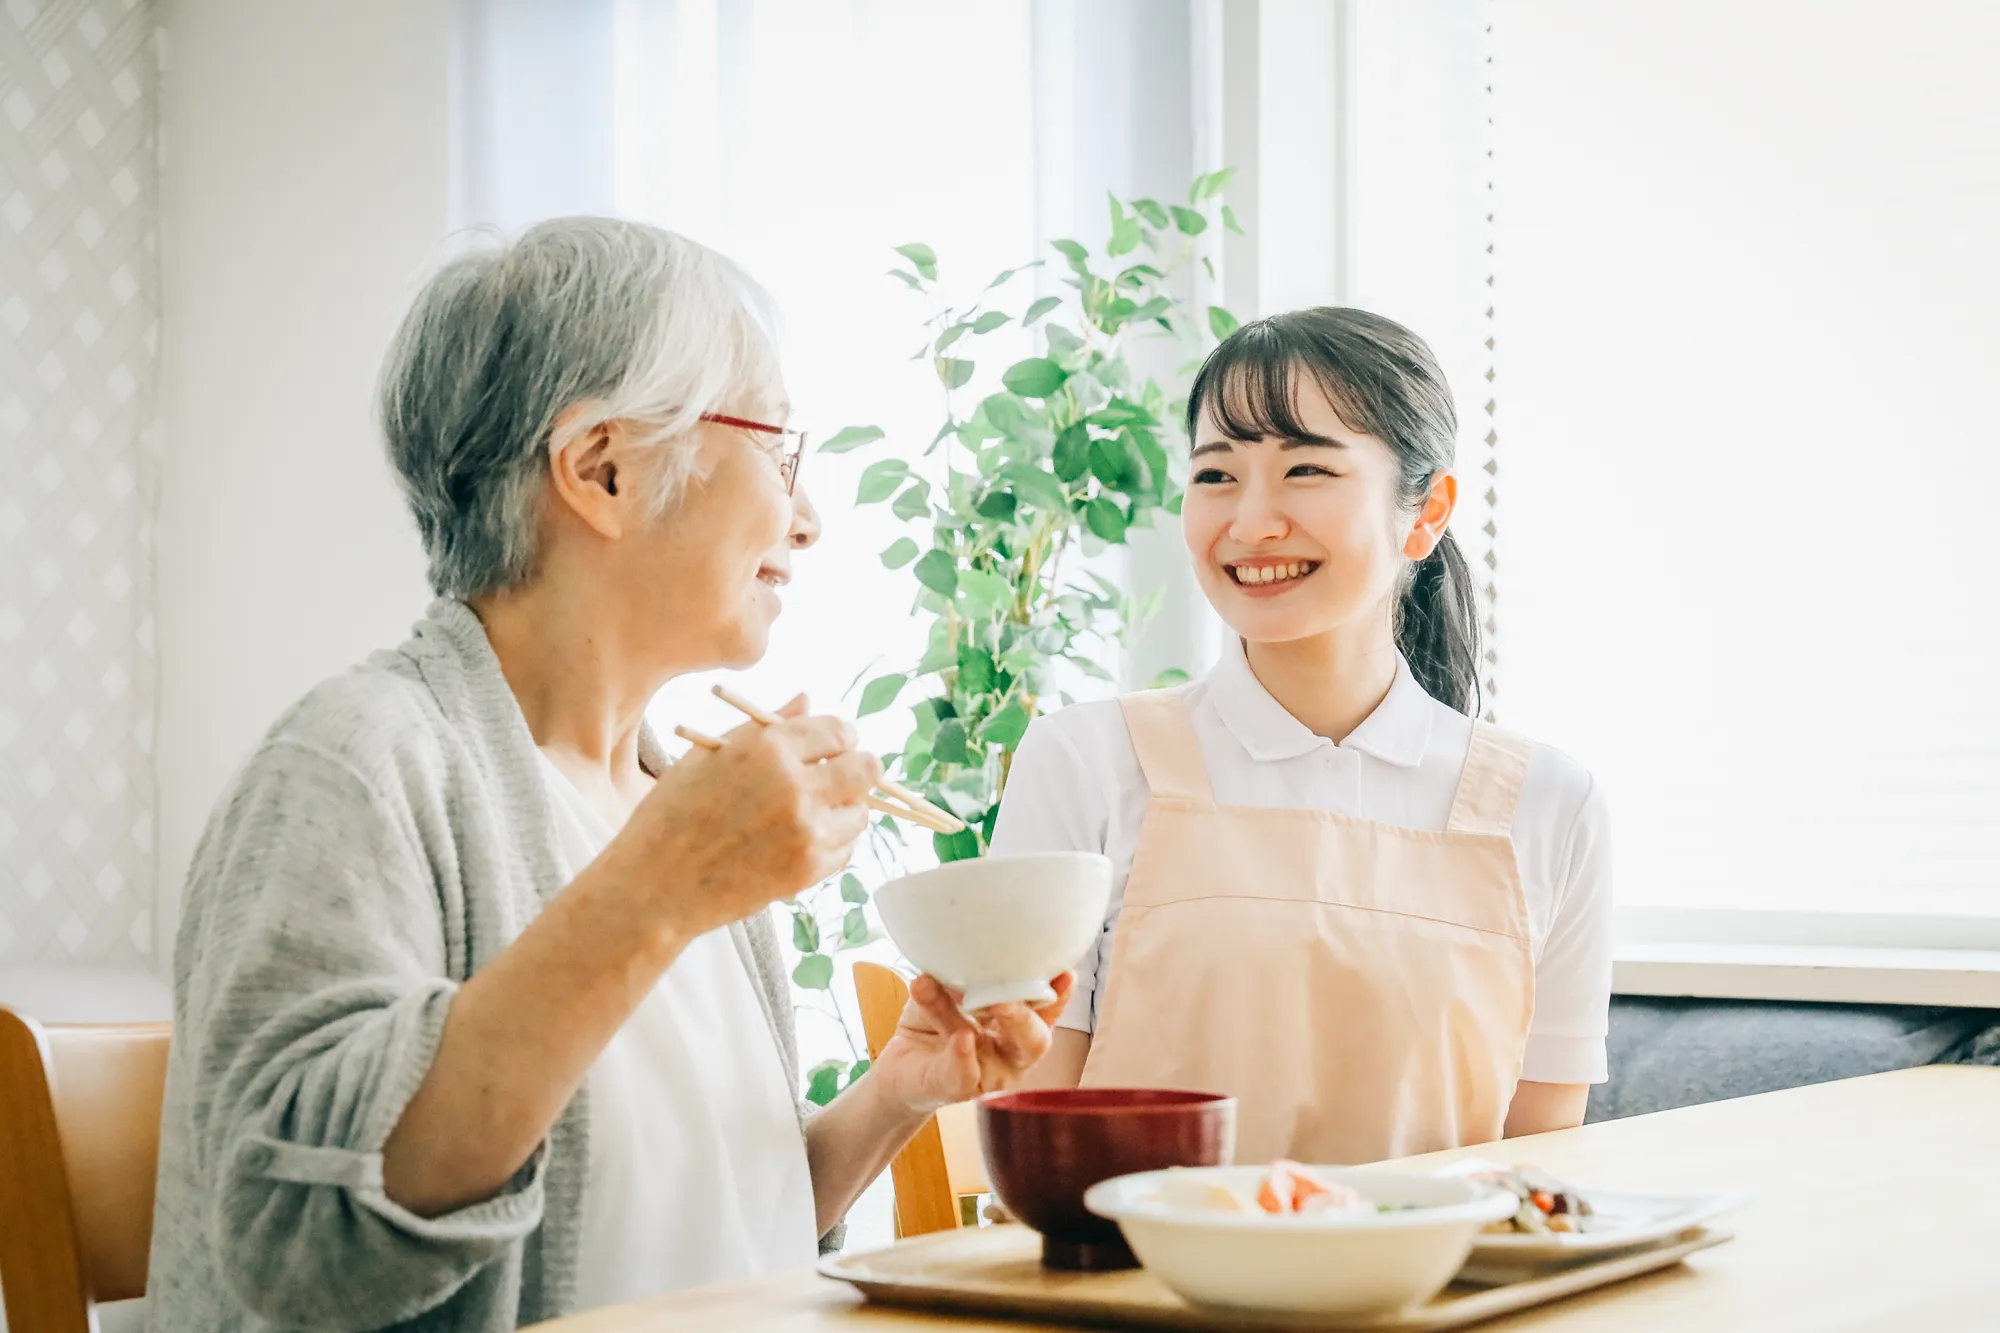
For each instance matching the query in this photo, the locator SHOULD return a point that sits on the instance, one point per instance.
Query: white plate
(1619, 1222)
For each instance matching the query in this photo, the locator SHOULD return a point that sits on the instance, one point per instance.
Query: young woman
(1381, 924)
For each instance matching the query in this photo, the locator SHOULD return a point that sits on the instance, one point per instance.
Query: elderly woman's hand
(939, 1056)
(725, 833)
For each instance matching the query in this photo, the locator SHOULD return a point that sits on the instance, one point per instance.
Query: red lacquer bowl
(1044, 1149)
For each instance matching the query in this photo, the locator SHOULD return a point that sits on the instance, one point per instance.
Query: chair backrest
(79, 1149)
(943, 1163)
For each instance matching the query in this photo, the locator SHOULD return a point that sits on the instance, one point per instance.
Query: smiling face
(722, 553)
(694, 585)
(1296, 531)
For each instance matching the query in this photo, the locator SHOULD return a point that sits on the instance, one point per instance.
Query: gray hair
(623, 321)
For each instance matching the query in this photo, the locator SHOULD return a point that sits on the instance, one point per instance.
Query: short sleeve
(1566, 1039)
(1051, 805)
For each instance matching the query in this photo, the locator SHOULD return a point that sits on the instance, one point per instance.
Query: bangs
(1249, 387)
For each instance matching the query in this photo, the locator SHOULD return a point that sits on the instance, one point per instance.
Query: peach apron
(1364, 990)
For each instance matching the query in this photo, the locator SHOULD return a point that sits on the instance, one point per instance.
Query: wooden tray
(998, 1271)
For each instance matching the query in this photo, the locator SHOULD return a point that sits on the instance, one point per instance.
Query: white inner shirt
(697, 1166)
(1076, 785)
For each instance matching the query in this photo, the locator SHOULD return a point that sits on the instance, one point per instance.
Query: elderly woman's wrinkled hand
(725, 833)
(939, 1055)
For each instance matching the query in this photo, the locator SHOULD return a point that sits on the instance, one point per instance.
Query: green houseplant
(1066, 454)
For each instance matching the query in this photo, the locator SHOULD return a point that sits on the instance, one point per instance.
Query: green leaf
(1220, 322)
(1124, 238)
(937, 657)
(989, 321)
(823, 1082)
(1190, 222)
(1105, 520)
(998, 505)
(1037, 377)
(851, 437)
(1040, 307)
(1061, 341)
(880, 481)
(805, 932)
(929, 713)
(976, 672)
(952, 372)
(814, 972)
(938, 571)
(854, 928)
(921, 257)
(1037, 487)
(1209, 186)
(1121, 412)
(1111, 462)
(851, 890)
(1076, 254)
(910, 279)
(1150, 210)
(1169, 678)
(880, 693)
(1072, 455)
(1005, 728)
(960, 846)
(914, 502)
(1010, 416)
(948, 746)
(856, 1070)
(901, 552)
(1173, 505)
(980, 594)
(1229, 220)
(950, 336)
(1146, 450)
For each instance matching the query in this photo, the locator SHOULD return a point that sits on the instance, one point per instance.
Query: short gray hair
(631, 322)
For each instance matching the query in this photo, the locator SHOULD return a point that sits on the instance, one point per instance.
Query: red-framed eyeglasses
(792, 444)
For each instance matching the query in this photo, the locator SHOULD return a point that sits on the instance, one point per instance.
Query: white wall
(306, 184)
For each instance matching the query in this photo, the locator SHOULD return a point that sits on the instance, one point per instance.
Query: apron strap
(1489, 787)
(1169, 751)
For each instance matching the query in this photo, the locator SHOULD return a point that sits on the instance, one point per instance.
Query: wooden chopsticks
(895, 799)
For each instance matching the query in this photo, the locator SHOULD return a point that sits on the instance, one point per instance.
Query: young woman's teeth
(1253, 575)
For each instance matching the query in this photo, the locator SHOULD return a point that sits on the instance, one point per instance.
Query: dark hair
(1383, 381)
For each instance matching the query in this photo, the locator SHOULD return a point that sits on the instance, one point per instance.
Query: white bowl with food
(999, 927)
(1337, 1242)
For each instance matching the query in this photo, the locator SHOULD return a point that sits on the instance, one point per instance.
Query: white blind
(1749, 337)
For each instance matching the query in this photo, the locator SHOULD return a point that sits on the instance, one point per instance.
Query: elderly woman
(480, 1018)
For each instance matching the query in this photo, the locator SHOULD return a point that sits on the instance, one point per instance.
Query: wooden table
(1875, 1205)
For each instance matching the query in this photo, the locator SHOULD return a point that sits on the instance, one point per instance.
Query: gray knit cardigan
(389, 837)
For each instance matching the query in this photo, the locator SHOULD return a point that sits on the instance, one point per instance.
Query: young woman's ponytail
(1437, 626)
(1383, 380)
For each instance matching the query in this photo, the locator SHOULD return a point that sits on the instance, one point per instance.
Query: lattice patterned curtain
(79, 339)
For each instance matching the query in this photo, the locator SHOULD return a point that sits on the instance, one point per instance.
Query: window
(1746, 316)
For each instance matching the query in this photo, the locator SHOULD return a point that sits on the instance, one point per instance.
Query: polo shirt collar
(1397, 732)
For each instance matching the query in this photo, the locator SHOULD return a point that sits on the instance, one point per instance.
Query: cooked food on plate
(1546, 1203)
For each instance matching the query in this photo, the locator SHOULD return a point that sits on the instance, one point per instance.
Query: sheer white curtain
(805, 139)
(1747, 299)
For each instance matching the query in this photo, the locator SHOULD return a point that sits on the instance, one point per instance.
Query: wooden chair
(79, 1146)
(938, 1176)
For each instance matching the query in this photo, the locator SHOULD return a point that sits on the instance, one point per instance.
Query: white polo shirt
(1076, 785)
